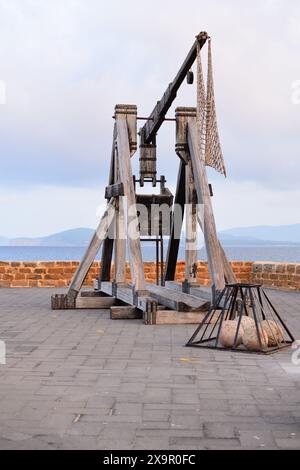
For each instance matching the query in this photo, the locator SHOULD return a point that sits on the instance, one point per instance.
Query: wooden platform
(159, 305)
(203, 292)
(177, 301)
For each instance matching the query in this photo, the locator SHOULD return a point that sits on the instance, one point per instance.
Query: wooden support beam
(106, 259)
(127, 312)
(128, 112)
(174, 241)
(94, 302)
(230, 277)
(128, 296)
(120, 241)
(106, 288)
(91, 293)
(171, 317)
(62, 302)
(91, 252)
(177, 300)
(204, 292)
(120, 245)
(191, 254)
(134, 242)
(108, 245)
(183, 115)
(158, 114)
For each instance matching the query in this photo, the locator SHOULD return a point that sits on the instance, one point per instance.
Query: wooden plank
(128, 112)
(191, 226)
(92, 250)
(174, 241)
(94, 302)
(123, 293)
(209, 229)
(171, 317)
(159, 112)
(204, 292)
(91, 293)
(134, 242)
(108, 245)
(125, 313)
(106, 287)
(114, 190)
(120, 241)
(177, 300)
(126, 295)
(106, 259)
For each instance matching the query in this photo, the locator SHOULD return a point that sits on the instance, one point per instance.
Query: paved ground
(76, 380)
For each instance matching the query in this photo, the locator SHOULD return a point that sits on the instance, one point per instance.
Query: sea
(289, 254)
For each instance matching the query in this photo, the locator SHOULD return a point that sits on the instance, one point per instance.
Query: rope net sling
(209, 139)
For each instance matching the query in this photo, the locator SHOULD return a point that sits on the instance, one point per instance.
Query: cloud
(66, 63)
(44, 210)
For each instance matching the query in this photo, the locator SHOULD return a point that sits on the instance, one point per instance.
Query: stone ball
(274, 332)
(250, 338)
(227, 333)
(247, 321)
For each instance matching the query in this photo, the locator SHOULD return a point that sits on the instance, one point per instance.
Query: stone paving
(78, 380)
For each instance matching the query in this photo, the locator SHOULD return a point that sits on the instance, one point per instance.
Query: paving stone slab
(77, 380)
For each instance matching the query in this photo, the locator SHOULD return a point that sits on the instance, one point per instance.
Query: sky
(64, 64)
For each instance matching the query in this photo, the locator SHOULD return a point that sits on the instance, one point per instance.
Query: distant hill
(230, 240)
(74, 237)
(277, 233)
(244, 236)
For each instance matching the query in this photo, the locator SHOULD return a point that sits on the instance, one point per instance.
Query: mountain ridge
(239, 236)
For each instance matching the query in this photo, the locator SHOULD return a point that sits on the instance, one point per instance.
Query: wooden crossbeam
(177, 301)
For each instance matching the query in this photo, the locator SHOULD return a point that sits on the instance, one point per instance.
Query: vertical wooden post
(174, 241)
(120, 241)
(191, 227)
(108, 245)
(126, 177)
(215, 262)
(129, 113)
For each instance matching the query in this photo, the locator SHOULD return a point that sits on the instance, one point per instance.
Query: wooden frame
(156, 303)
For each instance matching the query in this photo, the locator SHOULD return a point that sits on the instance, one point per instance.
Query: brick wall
(278, 275)
(59, 273)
